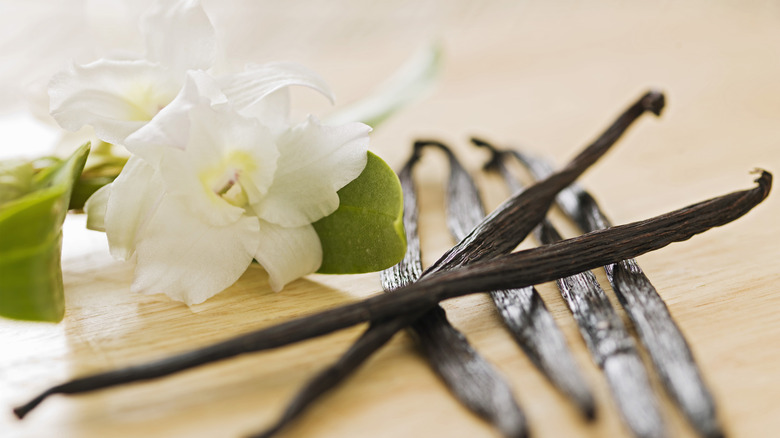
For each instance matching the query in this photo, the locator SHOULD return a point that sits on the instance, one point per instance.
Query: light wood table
(548, 77)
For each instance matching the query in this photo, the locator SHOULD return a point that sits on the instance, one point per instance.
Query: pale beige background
(547, 76)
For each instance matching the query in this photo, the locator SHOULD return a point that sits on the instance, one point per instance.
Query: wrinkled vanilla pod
(499, 233)
(503, 229)
(466, 373)
(519, 269)
(377, 335)
(463, 370)
(611, 346)
(663, 340)
(522, 310)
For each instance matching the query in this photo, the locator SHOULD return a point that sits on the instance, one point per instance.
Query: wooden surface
(548, 77)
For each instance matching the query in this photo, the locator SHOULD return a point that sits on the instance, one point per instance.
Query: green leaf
(85, 187)
(366, 233)
(413, 81)
(31, 243)
(16, 177)
(102, 168)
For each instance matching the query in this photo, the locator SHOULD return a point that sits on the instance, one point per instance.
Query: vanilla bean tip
(23, 410)
(481, 143)
(764, 180)
(589, 411)
(495, 154)
(654, 101)
(414, 157)
(419, 144)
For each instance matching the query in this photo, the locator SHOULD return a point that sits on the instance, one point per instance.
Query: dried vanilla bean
(483, 390)
(522, 310)
(500, 232)
(611, 346)
(466, 373)
(524, 211)
(503, 229)
(608, 340)
(463, 370)
(369, 342)
(519, 269)
(663, 340)
(378, 333)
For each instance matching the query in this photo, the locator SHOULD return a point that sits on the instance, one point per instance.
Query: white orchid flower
(118, 96)
(218, 175)
(211, 187)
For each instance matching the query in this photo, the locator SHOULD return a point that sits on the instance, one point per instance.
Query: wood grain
(547, 76)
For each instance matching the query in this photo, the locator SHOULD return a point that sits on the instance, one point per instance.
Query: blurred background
(511, 67)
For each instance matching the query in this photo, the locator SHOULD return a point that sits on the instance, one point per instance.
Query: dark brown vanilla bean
(522, 310)
(372, 339)
(611, 347)
(379, 333)
(516, 217)
(511, 222)
(437, 329)
(609, 342)
(663, 340)
(462, 369)
(508, 225)
(469, 376)
(465, 372)
(520, 269)
(499, 233)
(409, 269)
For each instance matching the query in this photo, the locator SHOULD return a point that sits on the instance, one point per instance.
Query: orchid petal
(248, 90)
(315, 162)
(180, 35)
(95, 207)
(171, 126)
(114, 97)
(133, 198)
(288, 253)
(273, 111)
(189, 260)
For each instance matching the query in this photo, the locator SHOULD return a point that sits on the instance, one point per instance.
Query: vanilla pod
(663, 340)
(473, 381)
(522, 310)
(535, 203)
(469, 376)
(611, 346)
(519, 269)
(508, 271)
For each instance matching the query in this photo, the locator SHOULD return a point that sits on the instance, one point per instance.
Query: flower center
(232, 192)
(228, 179)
